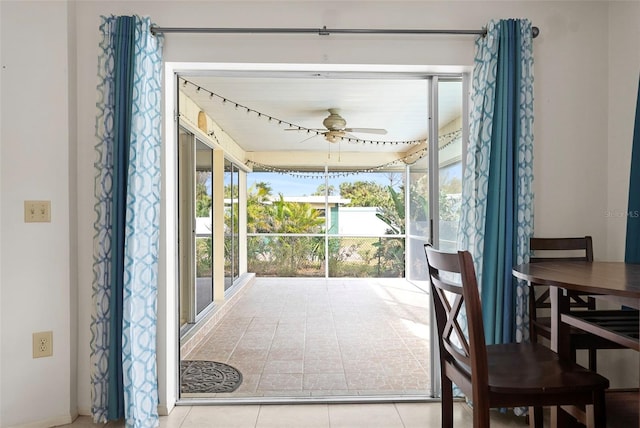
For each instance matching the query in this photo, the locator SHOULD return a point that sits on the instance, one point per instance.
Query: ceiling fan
(335, 127)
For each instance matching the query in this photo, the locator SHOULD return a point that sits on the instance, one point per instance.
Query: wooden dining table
(617, 282)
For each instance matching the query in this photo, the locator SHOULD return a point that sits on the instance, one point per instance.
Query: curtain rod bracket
(323, 31)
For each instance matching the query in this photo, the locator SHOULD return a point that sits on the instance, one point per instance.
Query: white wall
(622, 83)
(586, 58)
(36, 280)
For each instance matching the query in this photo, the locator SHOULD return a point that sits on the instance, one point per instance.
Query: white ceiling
(397, 104)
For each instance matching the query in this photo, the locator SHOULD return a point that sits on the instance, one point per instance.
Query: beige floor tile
(249, 384)
(298, 416)
(365, 415)
(363, 365)
(319, 351)
(282, 354)
(246, 366)
(284, 366)
(420, 415)
(498, 420)
(368, 381)
(286, 382)
(365, 332)
(84, 422)
(409, 383)
(175, 418)
(222, 416)
(405, 415)
(325, 381)
(331, 364)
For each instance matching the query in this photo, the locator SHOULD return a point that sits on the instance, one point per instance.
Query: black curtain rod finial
(535, 32)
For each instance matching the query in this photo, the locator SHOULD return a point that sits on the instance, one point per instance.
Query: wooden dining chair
(563, 249)
(499, 376)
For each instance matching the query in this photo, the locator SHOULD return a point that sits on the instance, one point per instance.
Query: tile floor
(398, 415)
(316, 337)
(313, 337)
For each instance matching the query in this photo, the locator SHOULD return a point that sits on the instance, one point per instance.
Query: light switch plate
(37, 211)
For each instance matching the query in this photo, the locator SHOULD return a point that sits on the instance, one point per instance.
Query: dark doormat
(208, 377)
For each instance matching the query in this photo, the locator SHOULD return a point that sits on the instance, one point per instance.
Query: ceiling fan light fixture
(333, 136)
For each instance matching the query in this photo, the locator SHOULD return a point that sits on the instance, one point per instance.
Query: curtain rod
(324, 31)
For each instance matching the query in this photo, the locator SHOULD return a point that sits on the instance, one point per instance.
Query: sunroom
(315, 191)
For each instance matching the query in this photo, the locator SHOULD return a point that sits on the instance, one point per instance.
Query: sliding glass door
(435, 179)
(231, 223)
(449, 161)
(195, 171)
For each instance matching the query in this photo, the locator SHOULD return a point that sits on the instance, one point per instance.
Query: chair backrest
(454, 286)
(560, 249)
(567, 249)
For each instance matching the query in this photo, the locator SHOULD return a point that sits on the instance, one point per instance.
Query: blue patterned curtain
(127, 191)
(497, 197)
(632, 250)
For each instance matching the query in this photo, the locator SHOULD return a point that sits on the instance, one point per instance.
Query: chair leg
(562, 418)
(535, 417)
(593, 362)
(598, 410)
(533, 334)
(481, 416)
(447, 403)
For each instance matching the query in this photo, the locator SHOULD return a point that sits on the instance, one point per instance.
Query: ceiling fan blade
(367, 130)
(308, 138)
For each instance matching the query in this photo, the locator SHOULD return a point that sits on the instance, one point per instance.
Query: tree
(419, 199)
(203, 200)
(450, 190)
(286, 254)
(451, 185)
(396, 179)
(258, 206)
(320, 191)
(392, 250)
(366, 194)
(294, 217)
(394, 216)
(293, 252)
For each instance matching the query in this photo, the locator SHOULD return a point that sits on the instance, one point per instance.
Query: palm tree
(258, 201)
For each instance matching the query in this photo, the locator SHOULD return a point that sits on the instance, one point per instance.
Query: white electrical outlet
(42, 344)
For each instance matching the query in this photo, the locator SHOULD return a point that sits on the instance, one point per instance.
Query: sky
(305, 185)
(290, 185)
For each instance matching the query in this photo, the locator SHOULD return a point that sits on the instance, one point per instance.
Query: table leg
(559, 331)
